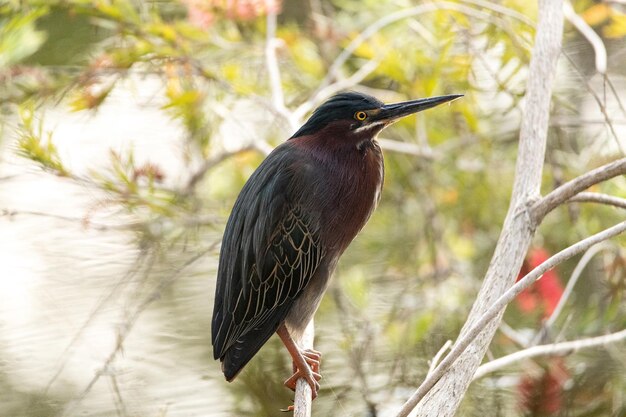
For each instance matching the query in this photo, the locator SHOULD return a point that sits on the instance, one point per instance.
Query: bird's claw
(313, 358)
(311, 378)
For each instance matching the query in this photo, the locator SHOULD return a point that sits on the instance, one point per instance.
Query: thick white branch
(496, 309)
(563, 348)
(442, 391)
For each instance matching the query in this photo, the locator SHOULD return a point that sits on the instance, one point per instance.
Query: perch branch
(302, 400)
(435, 360)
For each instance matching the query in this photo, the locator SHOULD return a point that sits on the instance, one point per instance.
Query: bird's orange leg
(306, 362)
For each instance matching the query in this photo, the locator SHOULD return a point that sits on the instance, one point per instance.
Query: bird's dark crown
(342, 106)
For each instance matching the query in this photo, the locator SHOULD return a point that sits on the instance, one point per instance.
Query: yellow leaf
(617, 26)
(596, 14)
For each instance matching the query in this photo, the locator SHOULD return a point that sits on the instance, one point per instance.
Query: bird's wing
(270, 251)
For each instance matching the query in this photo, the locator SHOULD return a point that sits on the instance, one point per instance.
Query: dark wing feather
(270, 251)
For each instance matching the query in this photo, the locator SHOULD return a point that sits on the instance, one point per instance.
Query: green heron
(293, 219)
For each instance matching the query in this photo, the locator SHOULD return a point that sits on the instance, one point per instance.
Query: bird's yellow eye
(360, 115)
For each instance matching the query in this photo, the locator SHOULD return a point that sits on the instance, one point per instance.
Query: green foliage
(31, 144)
(19, 37)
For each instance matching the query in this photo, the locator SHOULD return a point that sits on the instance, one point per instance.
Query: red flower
(542, 395)
(544, 295)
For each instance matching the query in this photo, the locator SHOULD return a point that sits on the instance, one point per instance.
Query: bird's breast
(353, 190)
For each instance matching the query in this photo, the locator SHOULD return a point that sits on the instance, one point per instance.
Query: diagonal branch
(609, 200)
(571, 282)
(589, 34)
(498, 307)
(568, 190)
(441, 393)
(562, 348)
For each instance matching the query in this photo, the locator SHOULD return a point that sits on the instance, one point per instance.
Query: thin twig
(562, 348)
(273, 71)
(126, 328)
(568, 190)
(589, 34)
(609, 200)
(564, 121)
(499, 305)
(580, 267)
(435, 360)
(143, 258)
(372, 29)
(599, 102)
(80, 220)
(209, 163)
(335, 87)
(608, 81)
(514, 335)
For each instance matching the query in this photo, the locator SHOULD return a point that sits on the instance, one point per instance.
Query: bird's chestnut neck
(339, 137)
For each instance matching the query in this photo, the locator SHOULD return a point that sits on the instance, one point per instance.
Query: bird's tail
(244, 349)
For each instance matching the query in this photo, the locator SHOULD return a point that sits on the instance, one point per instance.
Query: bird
(293, 219)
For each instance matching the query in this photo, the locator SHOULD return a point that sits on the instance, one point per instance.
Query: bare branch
(506, 11)
(83, 221)
(443, 400)
(565, 121)
(514, 335)
(207, 164)
(568, 190)
(563, 348)
(337, 86)
(580, 267)
(372, 29)
(126, 327)
(498, 307)
(601, 105)
(435, 360)
(302, 400)
(598, 198)
(271, 62)
(589, 34)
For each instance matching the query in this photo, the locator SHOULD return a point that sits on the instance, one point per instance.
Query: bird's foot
(313, 358)
(310, 371)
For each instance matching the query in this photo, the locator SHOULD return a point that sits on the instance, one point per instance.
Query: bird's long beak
(392, 112)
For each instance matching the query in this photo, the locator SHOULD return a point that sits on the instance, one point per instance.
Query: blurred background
(128, 128)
